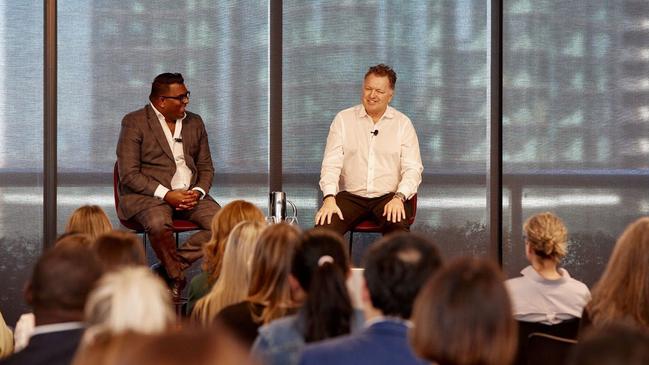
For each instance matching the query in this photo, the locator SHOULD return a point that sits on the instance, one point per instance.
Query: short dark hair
(396, 267)
(63, 276)
(383, 70)
(161, 83)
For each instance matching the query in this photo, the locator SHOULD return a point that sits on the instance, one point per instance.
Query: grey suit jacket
(145, 160)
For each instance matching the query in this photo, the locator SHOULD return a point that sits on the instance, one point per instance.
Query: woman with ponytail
(319, 281)
(546, 293)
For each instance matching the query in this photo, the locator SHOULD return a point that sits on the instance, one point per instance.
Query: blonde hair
(622, 292)
(89, 219)
(222, 223)
(232, 286)
(129, 299)
(6, 339)
(271, 266)
(547, 236)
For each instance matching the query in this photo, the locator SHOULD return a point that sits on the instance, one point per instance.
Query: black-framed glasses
(181, 98)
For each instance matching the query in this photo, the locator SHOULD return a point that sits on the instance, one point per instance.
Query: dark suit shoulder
(55, 348)
(136, 116)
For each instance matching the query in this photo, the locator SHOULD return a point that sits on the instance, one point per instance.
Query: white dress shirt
(537, 299)
(362, 163)
(183, 176)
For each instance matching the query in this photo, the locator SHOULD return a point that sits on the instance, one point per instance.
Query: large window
(575, 123)
(576, 107)
(110, 51)
(438, 50)
(21, 148)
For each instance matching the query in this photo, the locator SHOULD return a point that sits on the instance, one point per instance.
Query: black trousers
(356, 209)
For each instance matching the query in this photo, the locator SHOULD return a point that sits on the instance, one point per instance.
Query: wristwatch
(400, 196)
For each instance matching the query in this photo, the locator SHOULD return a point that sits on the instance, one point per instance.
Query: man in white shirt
(166, 171)
(371, 164)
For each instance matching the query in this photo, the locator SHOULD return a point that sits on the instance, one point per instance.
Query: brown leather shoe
(176, 288)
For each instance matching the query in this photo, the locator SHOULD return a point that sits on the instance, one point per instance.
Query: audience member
(129, 299)
(6, 339)
(89, 219)
(318, 280)
(546, 293)
(396, 268)
(269, 295)
(26, 322)
(234, 280)
(463, 316)
(622, 293)
(62, 278)
(117, 249)
(615, 344)
(222, 223)
(185, 346)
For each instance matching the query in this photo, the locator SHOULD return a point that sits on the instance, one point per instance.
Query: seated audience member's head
(193, 346)
(234, 281)
(319, 272)
(271, 266)
(622, 293)
(463, 316)
(116, 249)
(616, 344)
(546, 238)
(72, 240)
(396, 268)
(89, 219)
(61, 281)
(129, 299)
(222, 224)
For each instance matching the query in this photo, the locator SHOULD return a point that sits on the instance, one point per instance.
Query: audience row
(271, 294)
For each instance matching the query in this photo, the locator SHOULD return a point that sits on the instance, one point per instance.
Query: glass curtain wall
(110, 51)
(576, 113)
(21, 148)
(438, 49)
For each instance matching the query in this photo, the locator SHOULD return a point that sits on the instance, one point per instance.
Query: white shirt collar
(56, 327)
(389, 112)
(161, 117)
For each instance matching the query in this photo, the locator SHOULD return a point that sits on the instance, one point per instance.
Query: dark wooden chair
(544, 349)
(567, 329)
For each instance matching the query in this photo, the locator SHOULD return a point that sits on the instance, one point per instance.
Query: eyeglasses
(181, 98)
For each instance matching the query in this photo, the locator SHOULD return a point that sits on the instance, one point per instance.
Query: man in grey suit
(166, 171)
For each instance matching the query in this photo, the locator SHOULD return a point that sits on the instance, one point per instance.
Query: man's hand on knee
(329, 208)
(394, 210)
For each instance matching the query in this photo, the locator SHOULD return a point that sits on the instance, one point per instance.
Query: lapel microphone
(179, 140)
(375, 133)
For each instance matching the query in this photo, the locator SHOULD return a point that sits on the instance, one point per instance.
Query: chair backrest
(116, 186)
(413, 202)
(544, 349)
(565, 329)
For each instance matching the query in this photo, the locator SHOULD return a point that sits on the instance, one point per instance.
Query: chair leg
(351, 241)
